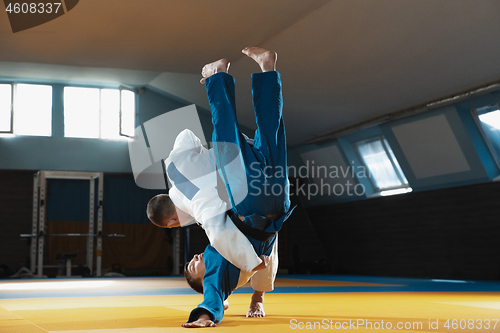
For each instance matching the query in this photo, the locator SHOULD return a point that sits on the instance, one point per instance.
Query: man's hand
(203, 321)
(263, 264)
(256, 310)
(257, 305)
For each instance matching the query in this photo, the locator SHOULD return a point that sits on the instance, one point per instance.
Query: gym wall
(145, 247)
(448, 233)
(448, 227)
(442, 148)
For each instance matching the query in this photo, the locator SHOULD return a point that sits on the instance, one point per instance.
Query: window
(81, 112)
(26, 109)
(99, 113)
(488, 118)
(33, 110)
(385, 172)
(127, 113)
(110, 112)
(5, 108)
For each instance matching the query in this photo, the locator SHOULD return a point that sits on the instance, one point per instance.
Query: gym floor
(336, 303)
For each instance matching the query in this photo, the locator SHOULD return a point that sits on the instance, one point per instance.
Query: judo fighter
(243, 231)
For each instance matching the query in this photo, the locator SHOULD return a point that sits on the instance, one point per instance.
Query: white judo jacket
(191, 171)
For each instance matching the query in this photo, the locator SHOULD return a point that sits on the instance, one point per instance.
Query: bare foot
(218, 66)
(256, 310)
(266, 59)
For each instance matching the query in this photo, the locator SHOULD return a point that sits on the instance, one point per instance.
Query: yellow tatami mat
(348, 310)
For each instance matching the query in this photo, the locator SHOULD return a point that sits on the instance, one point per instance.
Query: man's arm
(220, 279)
(257, 305)
(211, 310)
(232, 244)
(202, 321)
(263, 281)
(186, 140)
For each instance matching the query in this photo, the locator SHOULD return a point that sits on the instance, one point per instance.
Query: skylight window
(385, 171)
(489, 122)
(26, 109)
(95, 113)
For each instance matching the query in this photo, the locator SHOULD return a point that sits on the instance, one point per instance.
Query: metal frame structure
(39, 224)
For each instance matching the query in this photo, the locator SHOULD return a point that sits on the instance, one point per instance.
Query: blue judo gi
(266, 178)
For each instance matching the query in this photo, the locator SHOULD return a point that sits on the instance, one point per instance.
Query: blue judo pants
(265, 162)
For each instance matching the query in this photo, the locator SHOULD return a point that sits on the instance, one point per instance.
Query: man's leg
(265, 176)
(232, 151)
(221, 97)
(270, 139)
